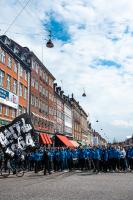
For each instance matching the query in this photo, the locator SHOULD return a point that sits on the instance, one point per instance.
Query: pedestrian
(45, 159)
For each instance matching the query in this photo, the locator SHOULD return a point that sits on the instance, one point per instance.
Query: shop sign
(8, 98)
(3, 122)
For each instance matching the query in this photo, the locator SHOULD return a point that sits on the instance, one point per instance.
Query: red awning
(49, 139)
(75, 144)
(45, 138)
(65, 140)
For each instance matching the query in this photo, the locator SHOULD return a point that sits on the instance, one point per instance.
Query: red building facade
(14, 80)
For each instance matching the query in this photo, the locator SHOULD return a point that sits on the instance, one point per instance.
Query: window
(26, 76)
(32, 82)
(13, 113)
(2, 56)
(25, 93)
(46, 78)
(9, 61)
(36, 85)
(39, 104)
(0, 108)
(40, 88)
(40, 72)
(33, 65)
(8, 82)
(51, 82)
(46, 93)
(43, 91)
(43, 75)
(20, 110)
(37, 68)
(15, 86)
(15, 67)
(21, 71)
(6, 110)
(2, 75)
(36, 102)
(20, 90)
(32, 100)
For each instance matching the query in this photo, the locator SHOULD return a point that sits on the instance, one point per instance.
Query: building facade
(58, 109)
(42, 96)
(14, 80)
(76, 119)
(67, 117)
(84, 127)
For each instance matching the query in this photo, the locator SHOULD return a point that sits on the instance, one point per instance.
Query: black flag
(17, 134)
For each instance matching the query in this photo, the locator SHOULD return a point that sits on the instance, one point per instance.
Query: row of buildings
(26, 85)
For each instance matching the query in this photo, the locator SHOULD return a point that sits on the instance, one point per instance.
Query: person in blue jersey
(91, 156)
(69, 158)
(85, 153)
(37, 158)
(65, 161)
(105, 159)
(75, 158)
(129, 156)
(101, 155)
(116, 158)
(50, 155)
(81, 158)
(31, 158)
(62, 159)
(110, 157)
(57, 157)
(96, 158)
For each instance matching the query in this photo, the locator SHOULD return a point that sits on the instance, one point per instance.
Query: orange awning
(75, 144)
(45, 138)
(65, 140)
(49, 139)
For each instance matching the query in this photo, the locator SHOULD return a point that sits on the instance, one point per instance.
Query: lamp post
(49, 43)
(84, 94)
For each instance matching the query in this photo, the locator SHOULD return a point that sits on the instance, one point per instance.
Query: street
(65, 186)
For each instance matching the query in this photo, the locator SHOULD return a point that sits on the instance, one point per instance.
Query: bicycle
(6, 170)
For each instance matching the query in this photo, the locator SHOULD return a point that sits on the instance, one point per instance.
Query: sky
(93, 51)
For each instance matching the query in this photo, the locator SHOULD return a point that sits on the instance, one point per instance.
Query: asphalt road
(75, 186)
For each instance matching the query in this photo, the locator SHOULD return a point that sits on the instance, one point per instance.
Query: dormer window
(2, 56)
(16, 50)
(7, 41)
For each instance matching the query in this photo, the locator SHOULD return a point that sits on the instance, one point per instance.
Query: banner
(8, 98)
(17, 134)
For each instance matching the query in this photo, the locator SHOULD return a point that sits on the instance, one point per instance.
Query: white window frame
(9, 61)
(8, 82)
(13, 113)
(20, 89)
(25, 93)
(6, 111)
(15, 67)
(14, 86)
(2, 76)
(2, 56)
(1, 107)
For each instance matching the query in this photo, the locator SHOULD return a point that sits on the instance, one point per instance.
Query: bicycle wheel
(19, 172)
(5, 172)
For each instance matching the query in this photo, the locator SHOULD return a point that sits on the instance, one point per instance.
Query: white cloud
(109, 90)
(123, 123)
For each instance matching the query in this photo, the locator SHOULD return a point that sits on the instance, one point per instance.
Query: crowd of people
(97, 158)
